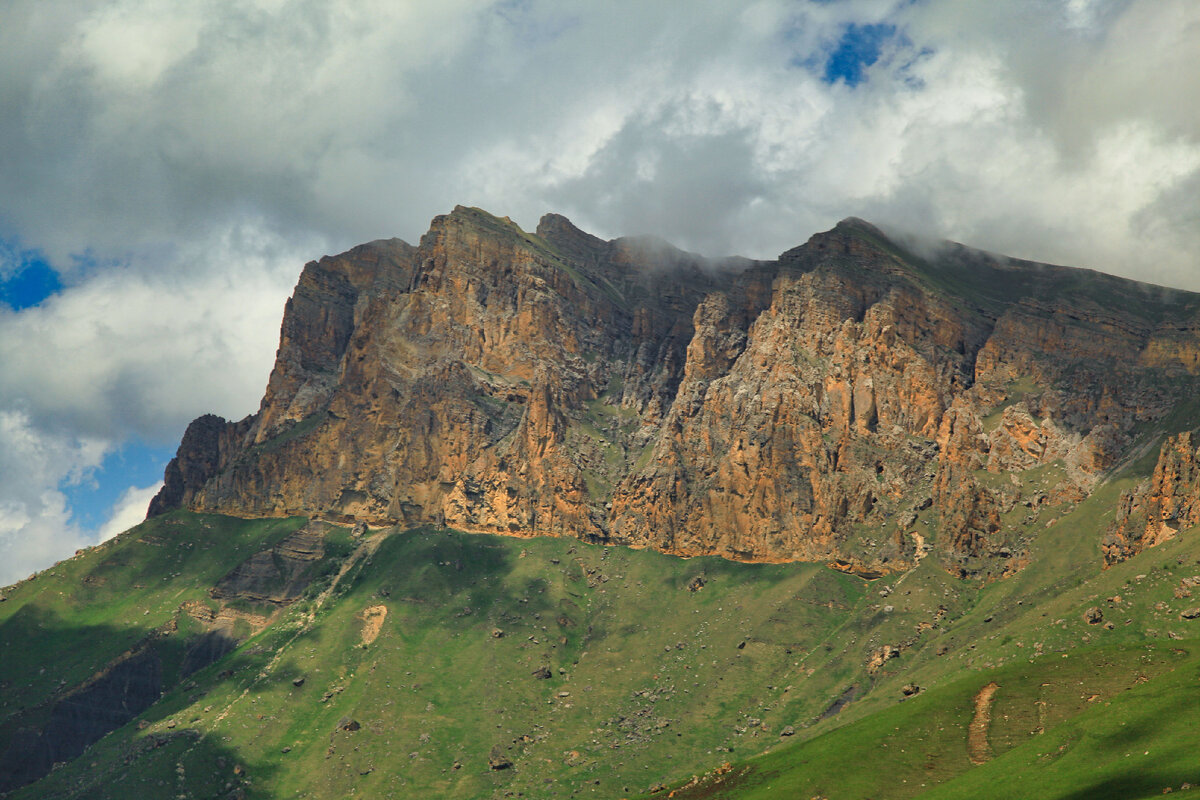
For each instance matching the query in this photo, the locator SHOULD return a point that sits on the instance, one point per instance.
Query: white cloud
(129, 352)
(35, 524)
(138, 350)
(129, 510)
(140, 122)
(128, 48)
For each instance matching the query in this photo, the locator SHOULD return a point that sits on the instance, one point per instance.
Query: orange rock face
(849, 402)
(1158, 510)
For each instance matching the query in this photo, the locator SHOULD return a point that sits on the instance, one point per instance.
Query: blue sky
(167, 169)
(92, 495)
(30, 281)
(93, 492)
(856, 50)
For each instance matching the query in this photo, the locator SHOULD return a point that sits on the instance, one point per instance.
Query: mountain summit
(852, 402)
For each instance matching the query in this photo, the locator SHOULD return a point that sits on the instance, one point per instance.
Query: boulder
(498, 759)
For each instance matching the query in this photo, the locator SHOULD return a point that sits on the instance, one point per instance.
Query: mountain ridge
(553, 383)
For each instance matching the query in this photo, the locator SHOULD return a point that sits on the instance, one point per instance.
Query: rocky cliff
(852, 402)
(1158, 509)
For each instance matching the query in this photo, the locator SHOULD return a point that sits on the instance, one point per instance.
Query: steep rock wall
(1160, 508)
(847, 402)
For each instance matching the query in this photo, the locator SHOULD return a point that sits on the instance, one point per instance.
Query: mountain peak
(563, 234)
(857, 223)
(559, 384)
(476, 219)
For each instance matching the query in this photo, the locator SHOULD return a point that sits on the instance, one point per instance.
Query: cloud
(128, 511)
(35, 525)
(137, 351)
(178, 163)
(138, 122)
(129, 352)
(142, 121)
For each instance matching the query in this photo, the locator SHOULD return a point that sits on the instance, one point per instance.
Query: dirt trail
(977, 733)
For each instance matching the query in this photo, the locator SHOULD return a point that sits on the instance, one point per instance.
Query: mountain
(541, 515)
(839, 404)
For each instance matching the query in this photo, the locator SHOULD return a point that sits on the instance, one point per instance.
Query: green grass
(120, 602)
(657, 683)
(1137, 743)
(85, 611)
(662, 682)
(1022, 632)
(1054, 720)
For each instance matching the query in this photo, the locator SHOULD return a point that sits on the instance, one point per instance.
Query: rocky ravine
(850, 402)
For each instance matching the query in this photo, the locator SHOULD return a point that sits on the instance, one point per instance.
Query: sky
(166, 169)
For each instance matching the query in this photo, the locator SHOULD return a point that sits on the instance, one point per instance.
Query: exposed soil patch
(977, 733)
(224, 619)
(373, 618)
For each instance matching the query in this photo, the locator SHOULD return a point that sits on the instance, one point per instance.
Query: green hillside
(433, 663)
(1082, 706)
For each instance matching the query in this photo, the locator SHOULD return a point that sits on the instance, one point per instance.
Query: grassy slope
(59, 628)
(657, 684)
(437, 691)
(1084, 687)
(1094, 712)
(661, 682)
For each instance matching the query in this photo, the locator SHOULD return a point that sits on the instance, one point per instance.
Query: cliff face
(1159, 508)
(850, 402)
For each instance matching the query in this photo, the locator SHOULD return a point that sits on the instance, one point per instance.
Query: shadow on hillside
(123, 674)
(1128, 736)
(58, 723)
(177, 763)
(443, 568)
(1143, 784)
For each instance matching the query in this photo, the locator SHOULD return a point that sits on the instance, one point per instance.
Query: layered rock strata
(850, 402)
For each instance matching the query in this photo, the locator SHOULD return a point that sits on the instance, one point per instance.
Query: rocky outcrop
(278, 575)
(208, 445)
(318, 322)
(849, 402)
(1159, 509)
